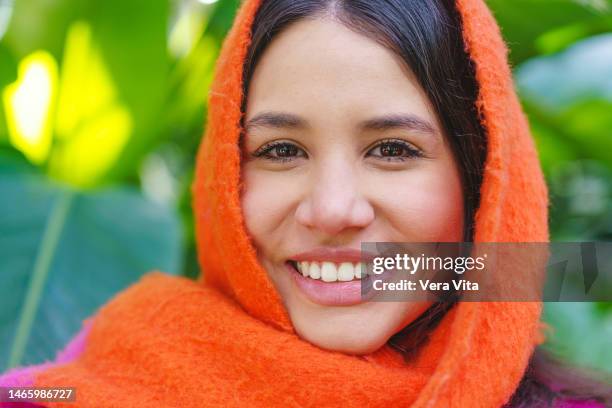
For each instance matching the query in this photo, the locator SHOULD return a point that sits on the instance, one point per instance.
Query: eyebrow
(398, 121)
(277, 120)
(283, 120)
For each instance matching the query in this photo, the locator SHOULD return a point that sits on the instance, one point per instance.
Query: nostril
(332, 214)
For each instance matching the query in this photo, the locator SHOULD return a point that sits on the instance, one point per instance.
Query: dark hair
(427, 36)
(423, 35)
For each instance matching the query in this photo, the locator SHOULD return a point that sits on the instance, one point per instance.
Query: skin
(337, 187)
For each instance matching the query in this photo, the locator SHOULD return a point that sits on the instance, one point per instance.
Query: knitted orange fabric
(227, 340)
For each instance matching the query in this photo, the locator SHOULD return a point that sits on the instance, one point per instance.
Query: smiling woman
(333, 123)
(341, 148)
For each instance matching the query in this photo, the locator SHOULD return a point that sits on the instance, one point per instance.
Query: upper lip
(333, 255)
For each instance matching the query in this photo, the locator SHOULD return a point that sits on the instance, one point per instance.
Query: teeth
(359, 266)
(346, 271)
(330, 271)
(303, 267)
(314, 270)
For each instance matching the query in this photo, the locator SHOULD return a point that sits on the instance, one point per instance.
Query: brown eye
(285, 150)
(391, 150)
(279, 151)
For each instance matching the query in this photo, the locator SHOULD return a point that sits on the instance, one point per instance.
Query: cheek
(267, 201)
(424, 204)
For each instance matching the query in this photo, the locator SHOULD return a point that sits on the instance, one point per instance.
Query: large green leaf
(568, 97)
(533, 27)
(580, 333)
(133, 39)
(113, 67)
(559, 81)
(64, 253)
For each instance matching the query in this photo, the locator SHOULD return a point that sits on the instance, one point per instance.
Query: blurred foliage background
(102, 107)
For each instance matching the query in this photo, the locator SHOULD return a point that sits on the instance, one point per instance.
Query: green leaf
(568, 97)
(64, 253)
(133, 39)
(8, 74)
(12, 161)
(532, 27)
(8, 67)
(114, 70)
(581, 333)
(582, 72)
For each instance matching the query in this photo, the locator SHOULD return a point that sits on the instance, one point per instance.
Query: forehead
(320, 65)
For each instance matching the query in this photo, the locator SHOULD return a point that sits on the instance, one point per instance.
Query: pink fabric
(571, 403)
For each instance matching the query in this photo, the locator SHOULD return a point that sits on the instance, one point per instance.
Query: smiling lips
(330, 276)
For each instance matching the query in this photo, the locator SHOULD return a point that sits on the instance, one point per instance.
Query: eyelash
(265, 150)
(410, 150)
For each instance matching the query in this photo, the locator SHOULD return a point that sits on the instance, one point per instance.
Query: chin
(343, 341)
(360, 329)
(348, 333)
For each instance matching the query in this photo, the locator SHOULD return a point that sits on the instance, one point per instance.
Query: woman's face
(342, 146)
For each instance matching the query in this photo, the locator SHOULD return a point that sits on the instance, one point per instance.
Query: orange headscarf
(226, 340)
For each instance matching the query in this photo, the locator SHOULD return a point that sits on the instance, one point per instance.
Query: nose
(334, 202)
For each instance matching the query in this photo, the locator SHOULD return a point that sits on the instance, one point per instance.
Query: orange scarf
(226, 340)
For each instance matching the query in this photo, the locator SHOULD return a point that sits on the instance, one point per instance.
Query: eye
(394, 150)
(280, 151)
